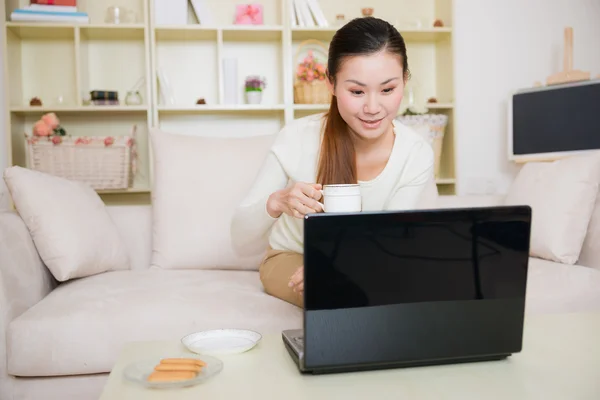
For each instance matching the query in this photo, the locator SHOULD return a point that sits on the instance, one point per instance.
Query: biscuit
(183, 361)
(170, 376)
(178, 367)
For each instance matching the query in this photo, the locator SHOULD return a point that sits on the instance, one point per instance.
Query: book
(170, 12)
(304, 12)
(317, 13)
(296, 4)
(202, 12)
(72, 3)
(52, 8)
(26, 14)
(293, 16)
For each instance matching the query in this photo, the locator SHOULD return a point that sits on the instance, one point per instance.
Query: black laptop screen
(375, 259)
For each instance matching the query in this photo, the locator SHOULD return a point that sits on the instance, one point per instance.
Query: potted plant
(254, 87)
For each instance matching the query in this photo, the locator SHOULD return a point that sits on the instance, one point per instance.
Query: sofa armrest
(24, 281)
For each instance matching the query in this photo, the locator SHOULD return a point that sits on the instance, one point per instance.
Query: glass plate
(139, 371)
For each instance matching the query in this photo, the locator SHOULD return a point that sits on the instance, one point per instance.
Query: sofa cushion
(562, 195)
(82, 325)
(68, 222)
(198, 183)
(560, 288)
(590, 251)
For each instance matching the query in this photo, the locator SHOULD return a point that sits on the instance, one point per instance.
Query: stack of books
(307, 13)
(50, 11)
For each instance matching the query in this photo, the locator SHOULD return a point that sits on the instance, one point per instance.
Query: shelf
(410, 35)
(185, 32)
(190, 58)
(67, 31)
(113, 32)
(252, 32)
(82, 109)
(231, 33)
(311, 107)
(41, 31)
(439, 106)
(221, 108)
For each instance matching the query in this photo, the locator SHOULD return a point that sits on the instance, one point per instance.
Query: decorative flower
(109, 141)
(51, 120)
(56, 139)
(255, 83)
(83, 140)
(48, 125)
(41, 129)
(310, 69)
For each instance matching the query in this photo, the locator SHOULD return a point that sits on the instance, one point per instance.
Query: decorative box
(249, 14)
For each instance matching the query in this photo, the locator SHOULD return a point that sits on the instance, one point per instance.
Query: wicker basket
(102, 162)
(432, 127)
(314, 92)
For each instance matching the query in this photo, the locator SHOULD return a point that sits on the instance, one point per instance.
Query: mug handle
(321, 203)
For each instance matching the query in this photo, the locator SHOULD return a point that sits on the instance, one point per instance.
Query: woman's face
(369, 90)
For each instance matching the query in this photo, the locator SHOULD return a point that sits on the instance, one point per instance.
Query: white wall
(502, 46)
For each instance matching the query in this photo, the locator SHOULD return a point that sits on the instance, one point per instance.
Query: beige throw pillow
(198, 183)
(562, 195)
(68, 222)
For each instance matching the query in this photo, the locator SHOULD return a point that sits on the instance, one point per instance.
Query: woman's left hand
(297, 280)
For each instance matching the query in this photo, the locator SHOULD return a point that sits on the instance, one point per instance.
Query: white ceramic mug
(341, 198)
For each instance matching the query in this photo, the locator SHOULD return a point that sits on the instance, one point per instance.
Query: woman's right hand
(296, 201)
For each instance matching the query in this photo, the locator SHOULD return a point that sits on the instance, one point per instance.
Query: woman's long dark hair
(361, 36)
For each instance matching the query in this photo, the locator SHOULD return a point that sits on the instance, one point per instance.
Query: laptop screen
(379, 259)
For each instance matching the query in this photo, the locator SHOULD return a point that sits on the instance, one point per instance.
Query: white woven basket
(102, 162)
(432, 127)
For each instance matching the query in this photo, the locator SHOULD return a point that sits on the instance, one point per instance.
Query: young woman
(357, 141)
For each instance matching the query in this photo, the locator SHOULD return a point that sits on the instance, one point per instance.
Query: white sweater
(294, 157)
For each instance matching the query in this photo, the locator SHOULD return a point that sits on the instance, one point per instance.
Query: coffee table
(560, 360)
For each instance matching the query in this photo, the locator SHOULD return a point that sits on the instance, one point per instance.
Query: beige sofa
(59, 341)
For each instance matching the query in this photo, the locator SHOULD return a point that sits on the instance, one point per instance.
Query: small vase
(254, 97)
(133, 98)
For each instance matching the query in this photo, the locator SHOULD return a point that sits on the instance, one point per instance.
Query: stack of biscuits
(176, 369)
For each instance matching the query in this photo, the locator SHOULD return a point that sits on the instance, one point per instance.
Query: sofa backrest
(135, 226)
(590, 252)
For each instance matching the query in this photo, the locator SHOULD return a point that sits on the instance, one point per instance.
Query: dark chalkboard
(556, 119)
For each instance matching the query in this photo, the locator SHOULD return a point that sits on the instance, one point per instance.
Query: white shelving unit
(68, 60)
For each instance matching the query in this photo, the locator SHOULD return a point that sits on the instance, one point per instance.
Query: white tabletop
(560, 360)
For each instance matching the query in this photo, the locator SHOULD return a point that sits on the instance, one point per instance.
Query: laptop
(412, 288)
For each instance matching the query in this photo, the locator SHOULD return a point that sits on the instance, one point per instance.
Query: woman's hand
(296, 201)
(297, 281)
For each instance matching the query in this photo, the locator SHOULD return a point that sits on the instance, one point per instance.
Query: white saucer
(221, 341)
